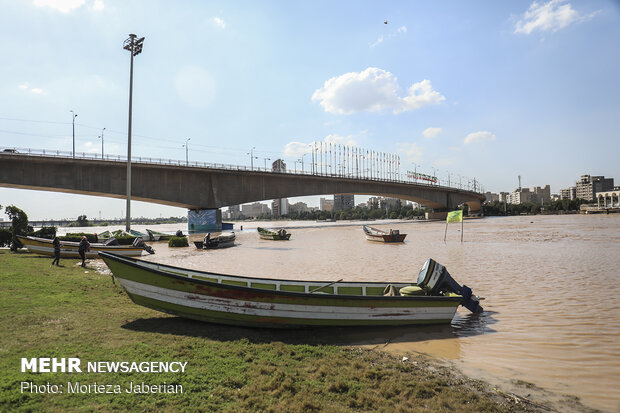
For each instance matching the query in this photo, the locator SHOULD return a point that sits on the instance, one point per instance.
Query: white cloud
(550, 16)
(295, 149)
(219, 22)
(373, 90)
(340, 140)
(443, 162)
(479, 137)
(380, 39)
(34, 90)
(410, 152)
(98, 5)
(431, 133)
(195, 86)
(377, 42)
(63, 6)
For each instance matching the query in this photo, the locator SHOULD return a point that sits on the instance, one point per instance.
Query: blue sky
(486, 89)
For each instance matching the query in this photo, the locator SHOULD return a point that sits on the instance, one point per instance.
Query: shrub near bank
(70, 312)
(178, 242)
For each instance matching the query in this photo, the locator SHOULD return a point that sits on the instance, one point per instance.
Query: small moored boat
(377, 235)
(278, 235)
(69, 249)
(157, 236)
(223, 240)
(266, 302)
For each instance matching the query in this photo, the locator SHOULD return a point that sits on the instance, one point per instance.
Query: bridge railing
(471, 185)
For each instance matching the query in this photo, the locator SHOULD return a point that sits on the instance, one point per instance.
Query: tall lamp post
(134, 46)
(102, 143)
(252, 157)
(186, 149)
(74, 115)
(266, 159)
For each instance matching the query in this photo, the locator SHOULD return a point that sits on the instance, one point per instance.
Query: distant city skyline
(490, 91)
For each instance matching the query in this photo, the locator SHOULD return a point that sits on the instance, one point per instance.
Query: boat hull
(272, 235)
(68, 249)
(227, 301)
(377, 235)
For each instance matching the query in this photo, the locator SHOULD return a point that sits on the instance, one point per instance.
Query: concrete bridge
(205, 187)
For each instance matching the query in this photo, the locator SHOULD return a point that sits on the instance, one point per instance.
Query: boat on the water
(377, 235)
(278, 235)
(223, 240)
(266, 302)
(69, 249)
(158, 236)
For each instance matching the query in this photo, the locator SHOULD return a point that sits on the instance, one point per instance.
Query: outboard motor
(139, 243)
(434, 278)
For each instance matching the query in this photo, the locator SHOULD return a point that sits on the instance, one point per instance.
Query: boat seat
(411, 290)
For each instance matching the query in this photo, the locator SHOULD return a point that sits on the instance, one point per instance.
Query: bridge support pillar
(204, 220)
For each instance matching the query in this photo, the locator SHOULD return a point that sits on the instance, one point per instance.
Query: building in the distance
(326, 204)
(491, 197)
(343, 201)
(298, 208)
(254, 210)
(535, 194)
(504, 197)
(568, 193)
(588, 186)
(279, 206)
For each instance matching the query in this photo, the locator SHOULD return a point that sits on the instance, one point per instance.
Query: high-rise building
(279, 207)
(254, 210)
(343, 201)
(588, 186)
(278, 166)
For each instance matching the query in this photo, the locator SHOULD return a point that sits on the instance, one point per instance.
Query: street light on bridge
(74, 115)
(101, 137)
(134, 46)
(266, 159)
(186, 154)
(252, 157)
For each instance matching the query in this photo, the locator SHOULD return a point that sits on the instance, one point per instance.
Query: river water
(551, 283)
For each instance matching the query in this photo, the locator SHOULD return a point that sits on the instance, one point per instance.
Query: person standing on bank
(82, 248)
(56, 244)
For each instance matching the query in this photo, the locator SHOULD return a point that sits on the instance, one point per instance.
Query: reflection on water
(552, 308)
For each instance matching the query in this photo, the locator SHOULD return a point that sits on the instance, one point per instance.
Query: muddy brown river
(551, 283)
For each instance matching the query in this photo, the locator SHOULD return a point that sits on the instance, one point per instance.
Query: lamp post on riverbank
(74, 116)
(134, 46)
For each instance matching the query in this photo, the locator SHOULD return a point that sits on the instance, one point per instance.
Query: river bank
(79, 313)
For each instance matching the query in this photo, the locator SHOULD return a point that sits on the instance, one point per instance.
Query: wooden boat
(223, 240)
(147, 237)
(69, 249)
(377, 235)
(279, 235)
(265, 302)
(158, 236)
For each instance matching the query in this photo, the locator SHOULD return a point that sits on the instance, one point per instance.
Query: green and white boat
(265, 302)
(278, 235)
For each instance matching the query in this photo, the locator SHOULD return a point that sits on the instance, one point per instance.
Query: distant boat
(223, 240)
(138, 234)
(69, 249)
(279, 235)
(377, 235)
(158, 236)
(265, 302)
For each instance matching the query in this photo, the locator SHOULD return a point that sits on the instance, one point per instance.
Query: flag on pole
(454, 216)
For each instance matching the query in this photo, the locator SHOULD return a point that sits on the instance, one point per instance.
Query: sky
(479, 89)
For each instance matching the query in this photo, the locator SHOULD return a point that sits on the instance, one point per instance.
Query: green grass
(67, 312)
